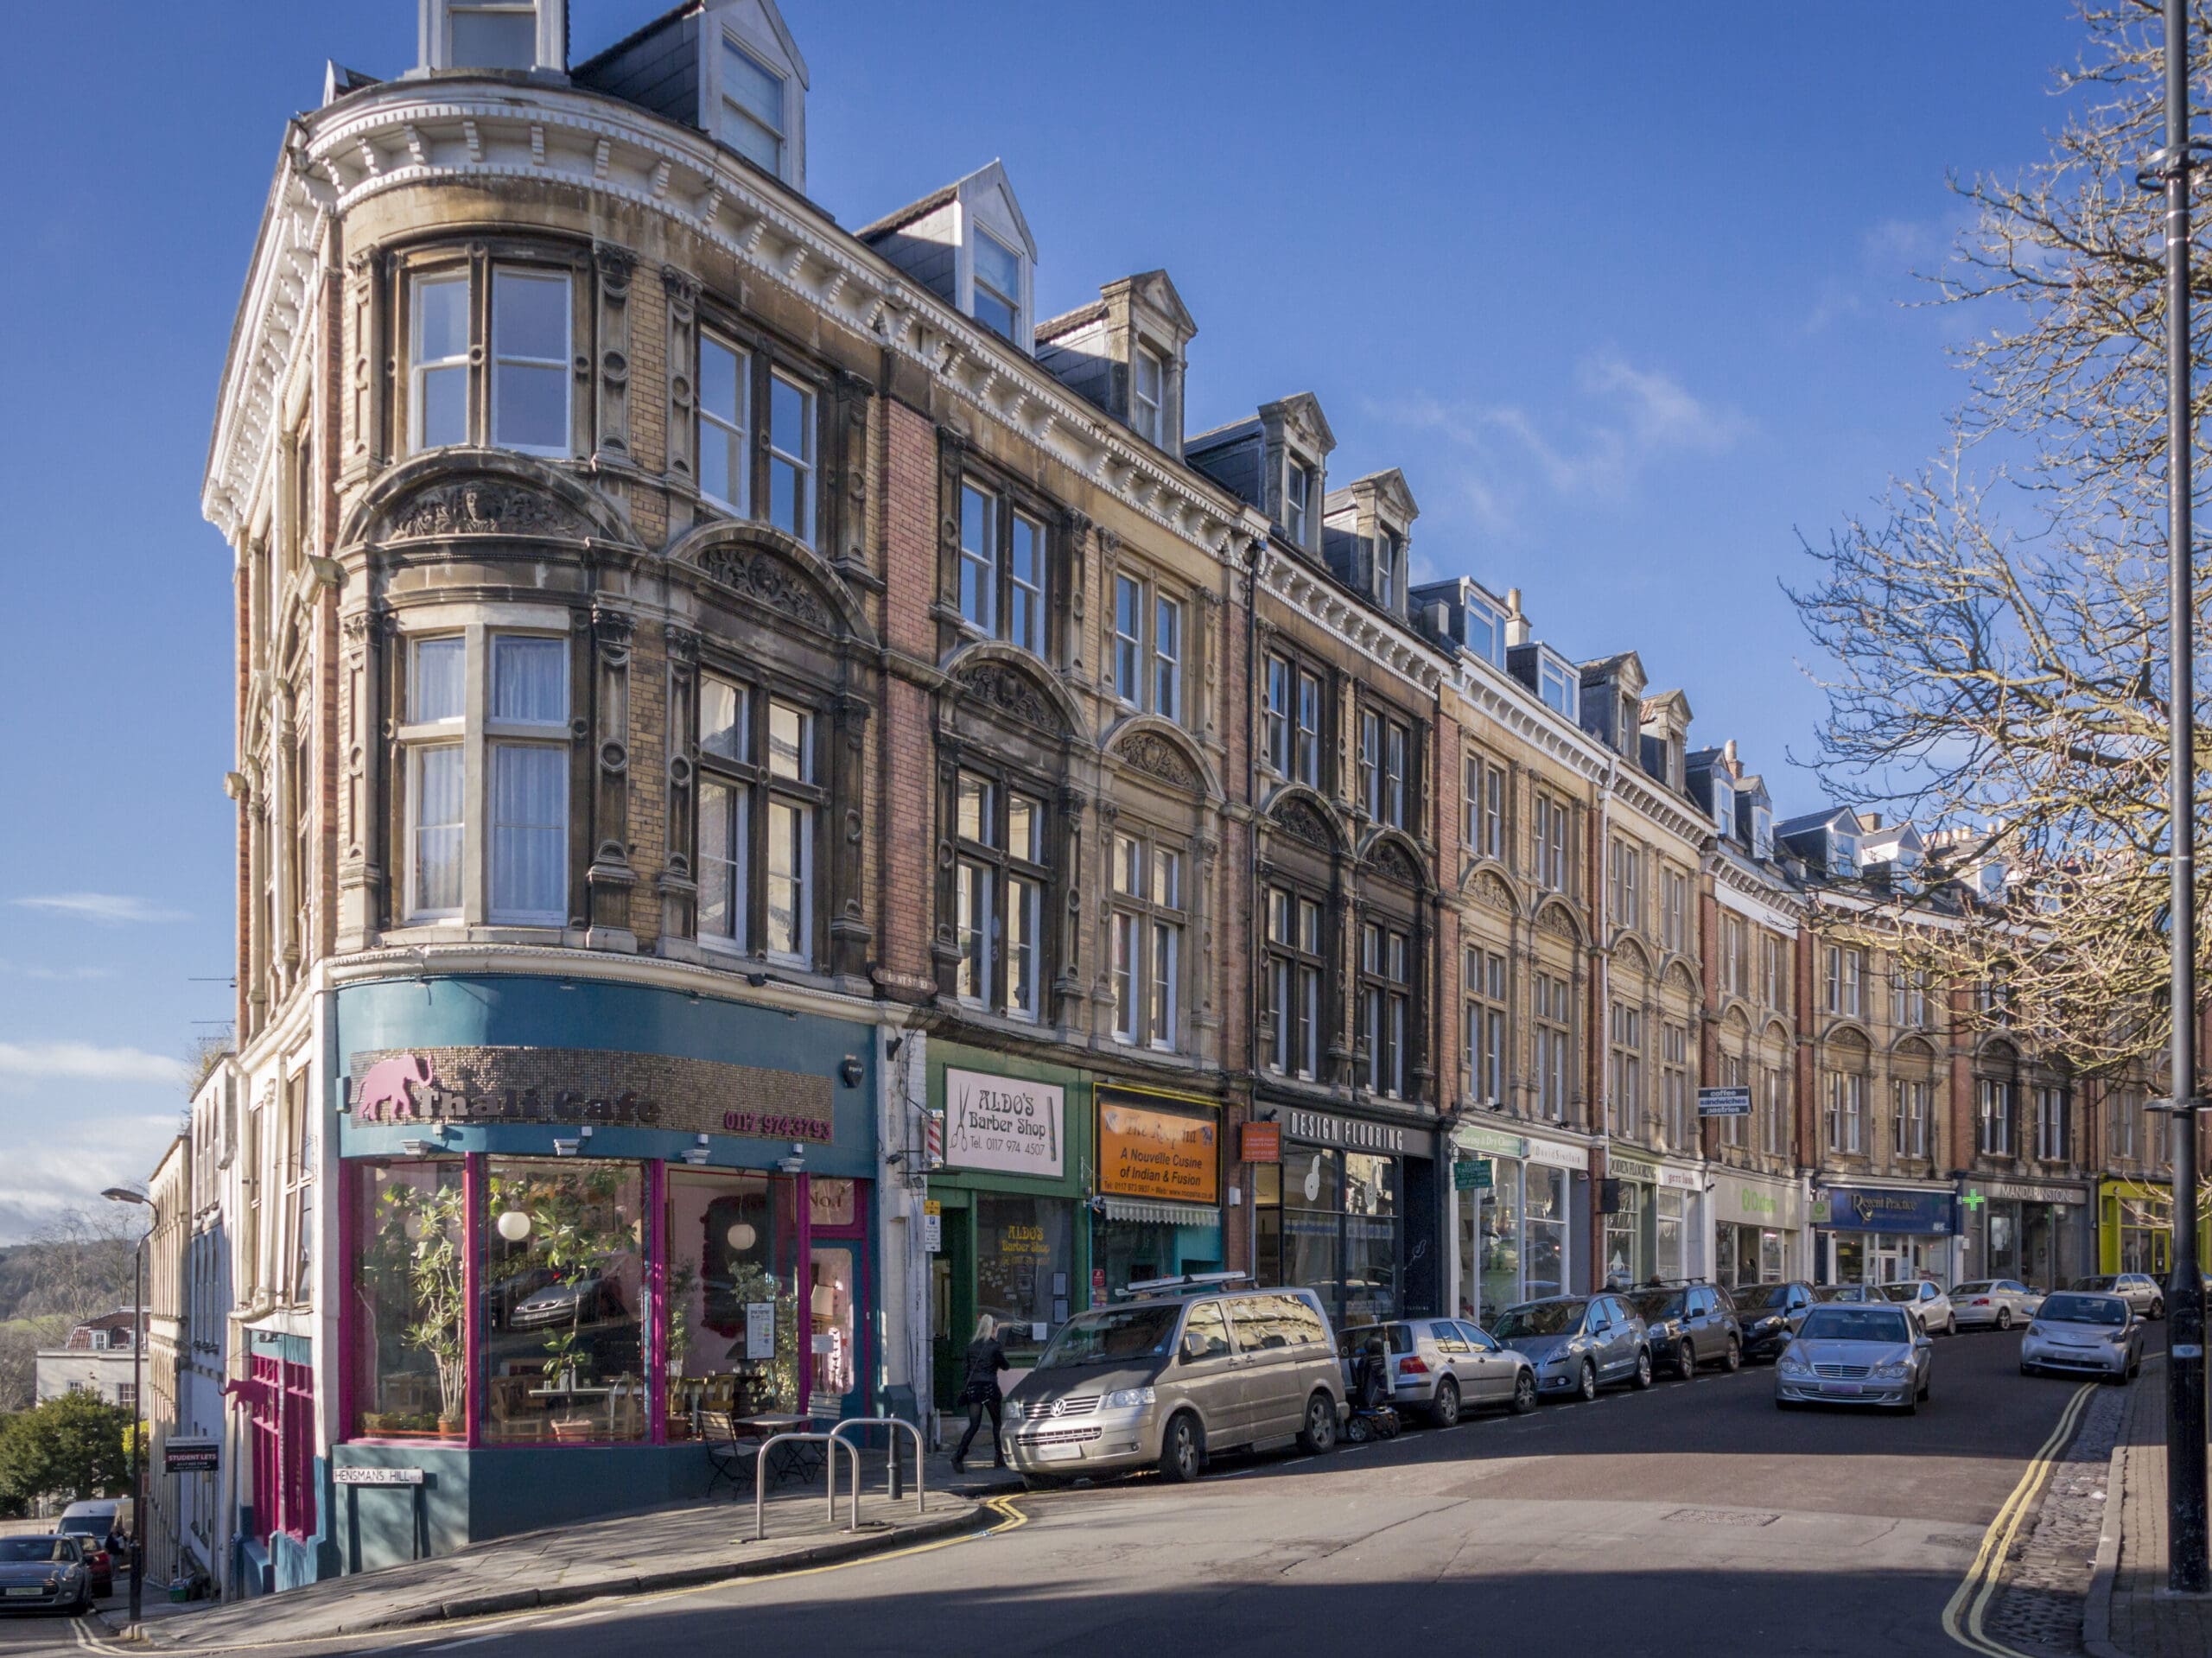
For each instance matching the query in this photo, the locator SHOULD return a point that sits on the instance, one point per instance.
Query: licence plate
(31, 1593)
(1848, 1389)
(1059, 1453)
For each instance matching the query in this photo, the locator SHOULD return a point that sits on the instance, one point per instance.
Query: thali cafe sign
(1005, 1125)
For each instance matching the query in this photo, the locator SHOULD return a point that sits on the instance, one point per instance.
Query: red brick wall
(900, 801)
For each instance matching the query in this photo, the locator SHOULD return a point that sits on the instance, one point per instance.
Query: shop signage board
(1471, 1174)
(1489, 1142)
(1875, 1209)
(1724, 1102)
(1553, 1154)
(1353, 1133)
(1260, 1142)
(377, 1475)
(1680, 1179)
(572, 1086)
(1005, 1125)
(933, 1227)
(759, 1330)
(191, 1457)
(2017, 1191)
(1149, 1147)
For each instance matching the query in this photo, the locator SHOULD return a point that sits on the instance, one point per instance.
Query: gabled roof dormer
(728, 67)
(1126, 354)
(459, 35)
(1663, 739)
(1278, 461)
(1465, 614)
(970, 245)
(1367, 531)
(1827, 841)
(1612, 702)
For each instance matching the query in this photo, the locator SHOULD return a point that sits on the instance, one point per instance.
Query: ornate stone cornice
(1514, 708)
(409, 132)
(1319, 597)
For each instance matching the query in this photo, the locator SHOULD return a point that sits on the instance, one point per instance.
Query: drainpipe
(1255, 922)
(1601, 1031)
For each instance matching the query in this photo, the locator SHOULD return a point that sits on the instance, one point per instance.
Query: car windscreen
(2071, 1309)
(1654, 1304)
(1398, 1338)
(1902, 1291)
(18, 1550)
(1118, 1334)
(84, 1525)
(1843, 1323)
(1539, 1318)
(1754, 1297)
(2090, 1284)
(1972, 1289)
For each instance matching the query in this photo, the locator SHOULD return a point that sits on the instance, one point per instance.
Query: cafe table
(802, 1458)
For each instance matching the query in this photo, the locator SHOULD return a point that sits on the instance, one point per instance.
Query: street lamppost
(2171, 169)
(138, 1327)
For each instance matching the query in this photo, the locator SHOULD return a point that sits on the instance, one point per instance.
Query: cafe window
(410, 1307)
(1024, 1255)
(563, 1303)
(733, 1340)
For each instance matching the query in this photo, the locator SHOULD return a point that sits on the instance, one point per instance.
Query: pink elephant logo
(388, 1091)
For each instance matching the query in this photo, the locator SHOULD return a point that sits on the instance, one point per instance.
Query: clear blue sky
(1615, 284)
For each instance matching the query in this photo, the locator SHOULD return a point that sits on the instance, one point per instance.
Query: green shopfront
(1759, 1223)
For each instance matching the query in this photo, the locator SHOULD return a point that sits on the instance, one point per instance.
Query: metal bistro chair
(728, 1457)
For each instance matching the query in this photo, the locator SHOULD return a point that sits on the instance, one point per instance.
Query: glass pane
(438, 680)
(411, 1376)
(530, 408)
(975, 813)
(752, 86)
(742, 133)
(529, 818)
(1167, 879)
(438, 831)
(722, 470)
(722, 861)
(998, 265)
(789, 837)
(972, 901)
(790, 418)
(1022, 824)
(530, 680)
(787, 498)
(1129, 860)
(993, 312)
(529, 317)
(732, 1249)
(564, 1299)
(441, 318)
(1125, 974)
(443, 417)
(494, 40)
(1024, 1247)
(722, 719)
(1021, 946)
(789, 753)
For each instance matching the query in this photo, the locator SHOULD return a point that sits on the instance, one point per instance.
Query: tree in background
(1997, 630)
(78, 1267)
(70, 1447)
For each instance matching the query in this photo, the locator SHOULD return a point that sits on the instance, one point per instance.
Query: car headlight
(2117, 1337)
(1129, 1398)
(2034, 1330)
(1014, 1412)
(1793, 1363)
(1893, 1369)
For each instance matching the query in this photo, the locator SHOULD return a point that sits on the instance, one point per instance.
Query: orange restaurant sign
(1157, 1151)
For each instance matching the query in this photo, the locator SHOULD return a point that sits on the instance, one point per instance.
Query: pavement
(2131, 1614)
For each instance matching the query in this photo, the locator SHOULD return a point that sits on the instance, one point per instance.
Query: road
(1691, 1518)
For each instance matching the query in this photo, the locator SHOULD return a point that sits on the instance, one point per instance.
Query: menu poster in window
(759, 1330)
(1004, 1124)
(1157, 1151)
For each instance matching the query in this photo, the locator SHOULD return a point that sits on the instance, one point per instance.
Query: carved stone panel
(1154, 755)
(483, 507)
(1006, 690)
(767, 580)
(1394, 863)
(1299, 820)
(614, 266)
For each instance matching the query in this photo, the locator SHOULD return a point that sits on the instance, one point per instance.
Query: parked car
(43, 1573)
(1998, 1303)
(1931, 1307)
(98, 1524)
(1769, 1314)
(2139, 1290)
(1865, 1354)
(1442, 1366)
(2077, 1332)
(1691, 1324)
(1577, 1343)
(1169, 1378)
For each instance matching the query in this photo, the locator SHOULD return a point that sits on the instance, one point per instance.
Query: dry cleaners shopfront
(1514, 1239)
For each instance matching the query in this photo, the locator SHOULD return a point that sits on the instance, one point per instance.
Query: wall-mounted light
(415, 1147)
(851, 1070)
(695, 1153)
(566, 1147)
(795, 1163)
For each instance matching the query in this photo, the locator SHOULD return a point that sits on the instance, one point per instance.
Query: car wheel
(1927, 1386)
(1183, 1453)
(1445, 1411)
(1734, 1361)
(2134, 1369)
(1686, 1359)
(1524, 1393)
(2158, 1309)
(1587, 1388)
(1319, 1432)
(1041, 1482)
(1643, 1376)
(1911, 1408)
(2004, 1318)
(1951, 1323)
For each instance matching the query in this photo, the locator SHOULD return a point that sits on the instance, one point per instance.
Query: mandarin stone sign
(566, 1086)
(1004, 1125)
(1157, 1150)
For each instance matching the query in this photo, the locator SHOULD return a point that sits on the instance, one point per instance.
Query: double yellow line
(1970, 1600)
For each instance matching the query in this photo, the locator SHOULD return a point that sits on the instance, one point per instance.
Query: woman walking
(986, 1358)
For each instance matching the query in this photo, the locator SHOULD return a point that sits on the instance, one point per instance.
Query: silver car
(1996, 1303)
(1442, 1366)
(1578, 1343)
(1846, 1353)
(43, 1573)
(2139, 1290)
(1931, 1308)
(2096, 1335)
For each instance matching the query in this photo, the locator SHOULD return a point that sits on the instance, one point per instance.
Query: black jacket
(986, 1358)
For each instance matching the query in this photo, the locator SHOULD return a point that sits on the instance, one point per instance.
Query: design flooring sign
(594, 1085)
(1005, 1125)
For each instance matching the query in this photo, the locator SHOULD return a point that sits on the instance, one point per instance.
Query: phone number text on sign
(1004, 1124)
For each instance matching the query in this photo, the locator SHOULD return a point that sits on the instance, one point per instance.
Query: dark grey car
(1577, 1343)
(1691, 1324)
(43, 1573)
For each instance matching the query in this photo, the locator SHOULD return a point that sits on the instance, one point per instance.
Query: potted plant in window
(426, 1227)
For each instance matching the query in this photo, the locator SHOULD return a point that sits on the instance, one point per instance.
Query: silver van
(1168, 1378)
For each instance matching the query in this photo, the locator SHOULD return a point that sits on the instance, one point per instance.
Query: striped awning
(1159, 1213)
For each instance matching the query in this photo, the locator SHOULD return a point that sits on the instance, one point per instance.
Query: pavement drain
(1722, 1517)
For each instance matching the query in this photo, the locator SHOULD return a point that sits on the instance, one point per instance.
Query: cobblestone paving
(2047, 1574)
(2146, 1621)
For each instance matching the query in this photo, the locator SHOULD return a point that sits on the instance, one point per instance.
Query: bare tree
(1996, 630)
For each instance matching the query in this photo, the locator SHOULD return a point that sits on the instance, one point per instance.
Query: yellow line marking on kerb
(1978, 1586)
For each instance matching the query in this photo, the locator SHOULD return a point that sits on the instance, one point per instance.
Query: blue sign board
(1874, 1209)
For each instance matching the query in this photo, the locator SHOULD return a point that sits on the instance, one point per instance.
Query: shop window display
(563, 1302)
(1024, 1255)
(733, 1336)
(411, 1376)
(1545, 1230)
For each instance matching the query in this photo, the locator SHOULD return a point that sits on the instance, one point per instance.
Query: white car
(2076, 1332)
(1931, 1308)
(2139, 1290)
(1993, 1303)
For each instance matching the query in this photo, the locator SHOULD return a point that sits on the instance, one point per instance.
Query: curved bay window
(759, 802)
(563, 1302)
(999, 883)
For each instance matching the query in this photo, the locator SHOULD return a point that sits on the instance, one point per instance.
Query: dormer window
(998, 284)
(1297, 500)
(1147, 395)
(1557, 685)
(1762, 832)
(493, 35)
(1484, 631)
(754, 122)
(1723, 807)
(1843, 855)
